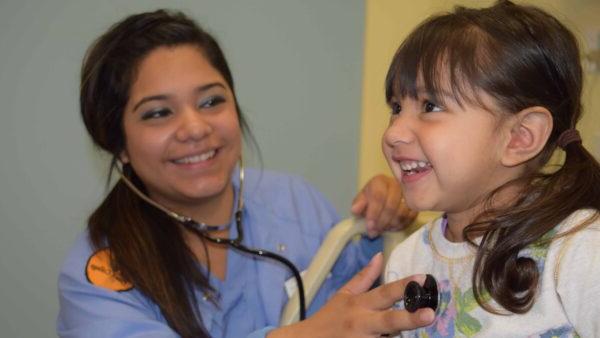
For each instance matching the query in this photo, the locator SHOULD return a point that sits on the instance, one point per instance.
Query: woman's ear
(124, 156)
(529, 133)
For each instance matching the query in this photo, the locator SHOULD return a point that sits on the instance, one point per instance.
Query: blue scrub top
(282, 213)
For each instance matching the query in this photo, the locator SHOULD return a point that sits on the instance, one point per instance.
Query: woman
(157, 94)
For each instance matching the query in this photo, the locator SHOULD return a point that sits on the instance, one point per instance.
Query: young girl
(480, 100)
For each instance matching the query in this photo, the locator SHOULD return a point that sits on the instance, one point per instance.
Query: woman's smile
(195, 159)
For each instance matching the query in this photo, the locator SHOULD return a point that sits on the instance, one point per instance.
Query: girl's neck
(457, 221)
(454, 228)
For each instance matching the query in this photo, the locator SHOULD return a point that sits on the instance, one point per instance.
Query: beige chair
(328, 253)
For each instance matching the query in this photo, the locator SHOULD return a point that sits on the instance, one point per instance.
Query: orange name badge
(99, 272)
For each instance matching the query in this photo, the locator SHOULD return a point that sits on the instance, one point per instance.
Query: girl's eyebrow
(162, 97)
(443, 94)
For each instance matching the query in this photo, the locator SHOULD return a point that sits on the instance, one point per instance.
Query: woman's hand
(355, 312)
(381, 203)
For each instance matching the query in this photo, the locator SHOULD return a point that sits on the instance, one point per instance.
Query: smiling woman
(182, 131)
(157, 95)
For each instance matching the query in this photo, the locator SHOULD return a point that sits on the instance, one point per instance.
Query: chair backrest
(319, 268)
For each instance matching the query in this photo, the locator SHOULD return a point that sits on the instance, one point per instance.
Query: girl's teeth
(414, 166)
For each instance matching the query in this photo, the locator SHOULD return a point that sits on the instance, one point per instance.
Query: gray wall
(297, 65)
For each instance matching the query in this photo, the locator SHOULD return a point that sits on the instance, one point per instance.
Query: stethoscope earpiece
(417, 296)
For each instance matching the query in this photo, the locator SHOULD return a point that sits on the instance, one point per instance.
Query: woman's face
(182, 134)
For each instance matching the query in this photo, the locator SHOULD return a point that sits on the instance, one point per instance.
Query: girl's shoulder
(574, 248)
(580, 220)
(577, 235)
(573, 269)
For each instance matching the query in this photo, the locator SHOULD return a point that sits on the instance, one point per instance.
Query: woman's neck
(214, 210)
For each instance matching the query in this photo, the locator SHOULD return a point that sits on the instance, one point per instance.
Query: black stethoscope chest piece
(417, 296)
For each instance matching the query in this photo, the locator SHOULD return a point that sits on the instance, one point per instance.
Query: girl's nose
(399, 131)
(192, 126)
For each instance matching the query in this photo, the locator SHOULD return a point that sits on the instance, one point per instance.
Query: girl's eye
(396, 108)
(211, 102)
(156, 113)
(429, 107)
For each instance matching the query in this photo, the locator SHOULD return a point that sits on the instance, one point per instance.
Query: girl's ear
(529, 133)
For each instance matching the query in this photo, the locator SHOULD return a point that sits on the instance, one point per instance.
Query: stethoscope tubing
(236, 243)
(283, 260)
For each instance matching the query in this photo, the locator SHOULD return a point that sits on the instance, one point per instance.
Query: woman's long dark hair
(522, 57)
(147, 247)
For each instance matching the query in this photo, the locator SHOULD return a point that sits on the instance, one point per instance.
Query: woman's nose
(192, 126)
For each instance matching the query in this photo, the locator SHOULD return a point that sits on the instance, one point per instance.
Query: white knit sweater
(567, 303)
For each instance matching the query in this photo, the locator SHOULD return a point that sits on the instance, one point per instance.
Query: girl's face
(447, 158)
(181, 128)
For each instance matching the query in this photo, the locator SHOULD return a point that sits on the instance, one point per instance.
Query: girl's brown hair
(522, 57)
(147, 247)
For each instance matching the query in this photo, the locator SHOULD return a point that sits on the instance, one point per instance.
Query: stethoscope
(202, 229)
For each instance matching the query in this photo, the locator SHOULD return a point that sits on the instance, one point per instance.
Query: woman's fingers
(376, 193)
(365, 278)
(359, 204)
(381, 203)
(394, 321)
(354, 312)
(393, 209)
(405, 216)
(385, 296)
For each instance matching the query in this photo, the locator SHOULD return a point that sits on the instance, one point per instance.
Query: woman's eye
(396, 108)
(429, 107)
(211, 101)
(156, 113)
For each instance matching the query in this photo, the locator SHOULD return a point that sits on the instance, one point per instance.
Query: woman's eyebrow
(162, 97)
(150, 98)
(203, 88)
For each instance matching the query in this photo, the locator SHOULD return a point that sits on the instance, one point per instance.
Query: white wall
(297, 67)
